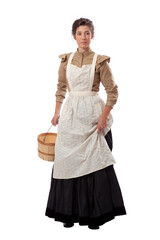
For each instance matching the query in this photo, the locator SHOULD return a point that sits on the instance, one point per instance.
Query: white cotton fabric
(79, 149)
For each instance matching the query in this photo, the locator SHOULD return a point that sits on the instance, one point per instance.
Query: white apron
(79, 149)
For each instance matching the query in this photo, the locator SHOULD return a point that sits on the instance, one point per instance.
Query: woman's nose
(84, 36)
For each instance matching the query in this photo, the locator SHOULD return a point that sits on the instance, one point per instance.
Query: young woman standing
(84, 187)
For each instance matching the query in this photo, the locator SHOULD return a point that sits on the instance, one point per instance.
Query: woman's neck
(82, 50)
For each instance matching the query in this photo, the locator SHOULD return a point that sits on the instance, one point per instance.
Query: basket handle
(47, 133)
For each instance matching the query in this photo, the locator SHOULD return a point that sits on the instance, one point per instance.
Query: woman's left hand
(102, 122)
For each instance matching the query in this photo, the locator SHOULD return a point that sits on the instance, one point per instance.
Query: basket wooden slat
(46, 148)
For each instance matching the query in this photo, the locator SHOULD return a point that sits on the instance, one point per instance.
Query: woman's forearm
(106, 111)
(58, 107)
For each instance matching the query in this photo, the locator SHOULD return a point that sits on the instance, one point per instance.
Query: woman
(84, 187)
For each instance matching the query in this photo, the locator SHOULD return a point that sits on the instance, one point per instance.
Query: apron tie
(83, 93)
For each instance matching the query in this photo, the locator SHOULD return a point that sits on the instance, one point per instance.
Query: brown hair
(82, 22)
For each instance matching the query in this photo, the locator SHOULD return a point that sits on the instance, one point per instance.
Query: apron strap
(68, 70)
(93, 71)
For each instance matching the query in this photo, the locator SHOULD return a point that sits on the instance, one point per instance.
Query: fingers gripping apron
(79, 149)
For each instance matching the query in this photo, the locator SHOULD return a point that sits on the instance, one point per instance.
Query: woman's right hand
(55, 119)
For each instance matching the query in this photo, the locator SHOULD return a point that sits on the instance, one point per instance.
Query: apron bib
(79, 149)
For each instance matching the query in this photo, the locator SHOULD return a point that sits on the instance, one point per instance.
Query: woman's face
(83, 37)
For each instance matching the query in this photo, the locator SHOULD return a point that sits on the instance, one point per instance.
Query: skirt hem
(86, 220)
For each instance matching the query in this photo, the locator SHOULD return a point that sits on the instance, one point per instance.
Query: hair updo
(82, 22)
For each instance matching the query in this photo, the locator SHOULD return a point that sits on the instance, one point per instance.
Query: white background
(33, 33)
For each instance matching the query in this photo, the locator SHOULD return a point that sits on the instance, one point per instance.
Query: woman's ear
(74, 36)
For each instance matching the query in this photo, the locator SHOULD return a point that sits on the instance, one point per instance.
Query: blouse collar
(86, 53)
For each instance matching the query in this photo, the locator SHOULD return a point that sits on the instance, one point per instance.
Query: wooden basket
(46, 146)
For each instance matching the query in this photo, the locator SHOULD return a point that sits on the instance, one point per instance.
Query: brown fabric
(103, 74)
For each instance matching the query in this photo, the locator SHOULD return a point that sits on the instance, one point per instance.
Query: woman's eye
(88, 33)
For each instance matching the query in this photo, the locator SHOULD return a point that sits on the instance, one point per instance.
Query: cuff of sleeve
(59, 99)
(109, 104)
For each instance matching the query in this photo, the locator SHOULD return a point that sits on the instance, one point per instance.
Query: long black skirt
(94, 198)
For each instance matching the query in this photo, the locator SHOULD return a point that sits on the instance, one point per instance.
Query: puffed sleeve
(107, 79)
(62, 84)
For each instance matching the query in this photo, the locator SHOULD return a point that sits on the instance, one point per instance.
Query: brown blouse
(103, 74)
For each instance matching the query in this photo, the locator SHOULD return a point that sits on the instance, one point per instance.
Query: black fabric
(94, 198)
(109, 139)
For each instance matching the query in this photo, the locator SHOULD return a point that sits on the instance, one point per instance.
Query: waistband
(86, 93)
